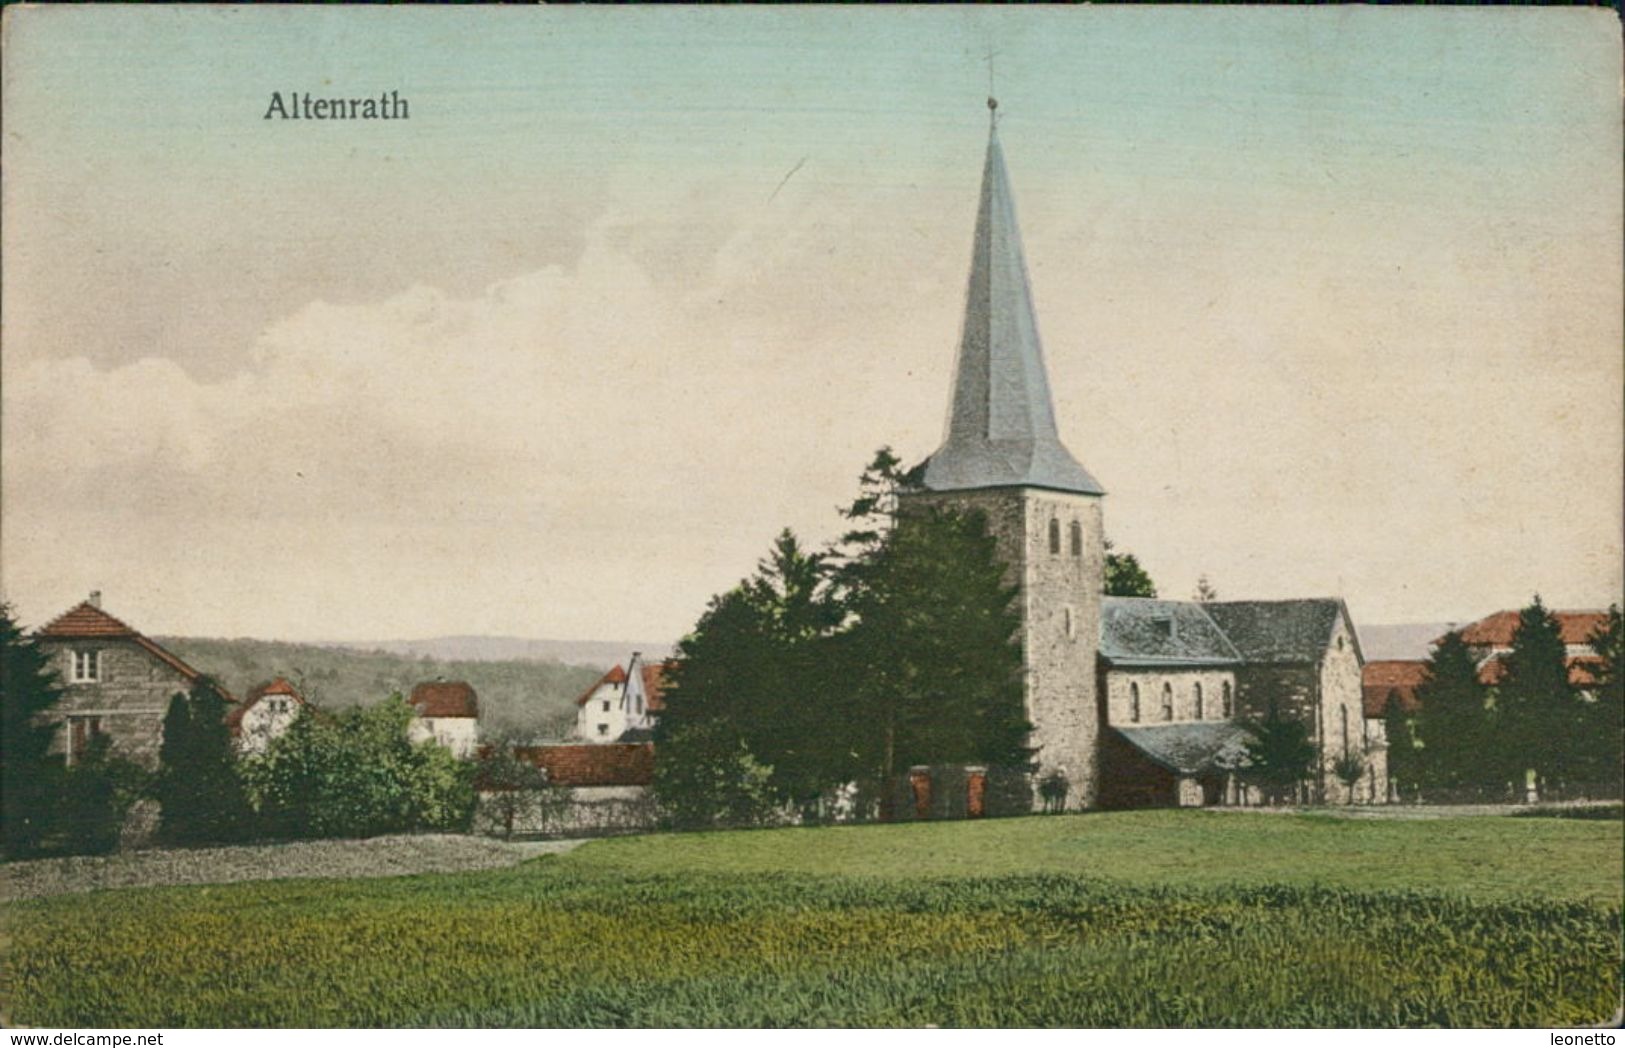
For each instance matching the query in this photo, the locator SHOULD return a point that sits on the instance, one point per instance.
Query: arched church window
(1198, 692)
(1167, 702)
(1134, 703)
(1077, 539)
(1054, 536)
(1344, 710)
(1224, 696)
(1071, 627)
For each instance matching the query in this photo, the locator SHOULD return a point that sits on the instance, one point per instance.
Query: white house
(268, 711)
(448, 714)
(622, 705)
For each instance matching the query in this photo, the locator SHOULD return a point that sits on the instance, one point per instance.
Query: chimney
(95, 600)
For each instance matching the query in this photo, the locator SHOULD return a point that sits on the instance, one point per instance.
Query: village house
(447, 713)
(622, 705)
(1396, 680)
(116, 682)
(266, 712)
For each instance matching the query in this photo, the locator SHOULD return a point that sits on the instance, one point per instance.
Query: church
(1134, 702)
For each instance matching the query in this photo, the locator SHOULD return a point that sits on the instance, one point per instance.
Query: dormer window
(1163, 627)
(87, 666)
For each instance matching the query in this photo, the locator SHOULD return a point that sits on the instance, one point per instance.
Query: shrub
(358, 775)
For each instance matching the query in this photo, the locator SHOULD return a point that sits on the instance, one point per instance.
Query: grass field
(1138, 919)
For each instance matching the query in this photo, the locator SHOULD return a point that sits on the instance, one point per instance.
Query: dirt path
(376, 857)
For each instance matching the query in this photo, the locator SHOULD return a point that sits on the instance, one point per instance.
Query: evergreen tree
(753, 677)
(1279, 754)
(1601, 758)
(1125, 577)
(30, 779)
(1404, 758)
(932, 650)
(1538, 713)
(199, 790)
(1453, 726)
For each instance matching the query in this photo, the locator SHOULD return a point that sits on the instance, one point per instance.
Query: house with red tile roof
(268, 710)
(1491, 639)
(448, 713)
(117, 682)
(624, 704)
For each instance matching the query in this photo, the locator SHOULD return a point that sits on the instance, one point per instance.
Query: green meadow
(1134, 919)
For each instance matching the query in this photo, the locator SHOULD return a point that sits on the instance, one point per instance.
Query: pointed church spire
(1001, 423)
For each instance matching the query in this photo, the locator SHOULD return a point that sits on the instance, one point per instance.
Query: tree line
(1528, 721)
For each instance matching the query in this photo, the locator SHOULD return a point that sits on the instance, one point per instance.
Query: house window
(640, 703)
(1077, 539)
(87, 666)
(1167, 702)
(606, 705)
(603, 729)
(1224, 697)
(1054, 536)
(1198, 690)
(1134, 703)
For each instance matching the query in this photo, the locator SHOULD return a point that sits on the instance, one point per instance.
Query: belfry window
(1167, 702)
(1077, 539)
(1134, 703)
(1054, 536)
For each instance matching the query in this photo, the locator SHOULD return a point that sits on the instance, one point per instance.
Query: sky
(1330, 299)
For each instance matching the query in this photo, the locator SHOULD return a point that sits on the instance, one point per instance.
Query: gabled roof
(1388, 679)
(1001, 425)
(444, 699)
(1146, 631)
(279, 686)
(1189, 749)
(1279, 632)
(85, 621)
(1582, 669)
(1497, 630)
(654, 683)
(615, 675)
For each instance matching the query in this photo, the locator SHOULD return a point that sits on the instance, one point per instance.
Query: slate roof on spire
(1001, 424)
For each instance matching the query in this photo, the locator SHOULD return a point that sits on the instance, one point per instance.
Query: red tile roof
(1496, 631)
(444, 699)
(88, 622)
(612, 764)
(1388, 679)
(279, 686)
(616, 675)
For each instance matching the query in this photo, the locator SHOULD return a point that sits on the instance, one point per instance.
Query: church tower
(1003, 456)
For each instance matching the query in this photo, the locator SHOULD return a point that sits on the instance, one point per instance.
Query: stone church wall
(1182, 683)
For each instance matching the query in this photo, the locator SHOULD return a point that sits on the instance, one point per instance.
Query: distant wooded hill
(600, 653)
(531, 697)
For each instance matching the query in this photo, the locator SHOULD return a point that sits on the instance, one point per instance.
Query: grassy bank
(759, 929)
